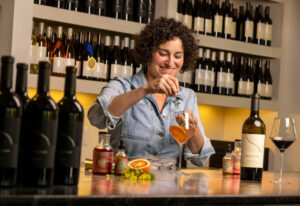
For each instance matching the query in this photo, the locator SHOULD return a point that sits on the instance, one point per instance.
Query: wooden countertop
(202, 186)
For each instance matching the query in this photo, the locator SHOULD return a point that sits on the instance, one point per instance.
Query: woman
(138, 109)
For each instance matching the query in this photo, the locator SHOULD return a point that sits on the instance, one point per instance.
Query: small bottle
(103, 155)
(236, 157)
(228, 162)
(121, 159)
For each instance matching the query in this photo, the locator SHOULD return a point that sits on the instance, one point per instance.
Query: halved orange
(141, 164)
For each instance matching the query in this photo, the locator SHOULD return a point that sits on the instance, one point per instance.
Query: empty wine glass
(182, 128)
(283, 134)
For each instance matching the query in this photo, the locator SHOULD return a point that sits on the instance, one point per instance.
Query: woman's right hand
(165, 84)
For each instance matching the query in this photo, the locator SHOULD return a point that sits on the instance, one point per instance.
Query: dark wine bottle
(127, 70)
(187, 14)
(206, 72)
(249, 89)
(49, 33)
(115, 62)
(38, 139)
(208, 19)
(78, 54)
(267, 94)
(10, 125)
(21, 83)
(58, 54)
(140, 11)
(59, 4)
(69, 136)
(131, 56)
(70, 5)
(234, 23)
(150, 11)
(248, 25)
(40, 2)
(199, 77)
(218, 19)
(98, 56)
(100, 8)
(199, 16)
(77, 5)
(253, 139)
(88, 60)
(106, 59)
(227, 20)
(259, 28)
(242, 78)
(70, 49)
(259, 79)
(229, 82)
(240, 24)
(268, 27)
(127, 10)
(178, 16)
(117, 7)
(89, 6)
(212, 76)
(221, 75)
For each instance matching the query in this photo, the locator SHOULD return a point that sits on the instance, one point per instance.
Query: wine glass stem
(180, 154)
(281, 166)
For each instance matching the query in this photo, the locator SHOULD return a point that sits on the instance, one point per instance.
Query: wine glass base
(182, 173)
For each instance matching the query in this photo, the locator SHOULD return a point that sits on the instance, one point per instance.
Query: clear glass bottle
(236, 157)
(227, 161)
(121, 159)
(103, 155)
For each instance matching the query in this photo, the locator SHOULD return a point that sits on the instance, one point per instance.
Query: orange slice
(141, 164)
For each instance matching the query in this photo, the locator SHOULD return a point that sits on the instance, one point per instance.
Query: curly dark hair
(160, 31)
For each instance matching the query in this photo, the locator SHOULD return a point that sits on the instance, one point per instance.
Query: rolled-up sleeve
(98, 114)
(207, 149)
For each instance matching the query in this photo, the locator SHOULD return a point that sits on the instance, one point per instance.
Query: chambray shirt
(143, 129)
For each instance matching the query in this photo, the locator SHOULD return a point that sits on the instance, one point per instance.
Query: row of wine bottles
(231, 76)
(40, 140)
(209, 18)
(93, 60)
(142, 11)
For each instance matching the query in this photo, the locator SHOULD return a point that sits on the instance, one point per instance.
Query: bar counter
(203, 186)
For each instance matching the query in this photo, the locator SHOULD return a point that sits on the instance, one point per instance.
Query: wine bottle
(212, 77)
(240, 24)
(88, 61)
(186, 79)
(59, 4)
(150, 11)
(10, 125)
(49, 33)
(253, 139)
(178, 16)
(140, 11)
(70, 5)
(234, 23)
(21, 83)
(199, 16)
(99, 62)
(242, 78)
(40, 2)
(131, 56)
(38, 139)
(227, 20)
(208, 19)
(199, 73)
(69, 135)
(100, 8)
(236, 74)
(218, 19)
(106, 59)
(41, 45)
(229, 82)
(77, 6)
(78, 52)
(249, 90)
(187, 14)
(268, 81)
(59, 61)
(206, 71)
(221, 75)
(117, 9)
(259, 80)
(33, 63)
(259, 28)
(248, 25)
(268, 27)
(115, 62)
(127, 10)
(89, 6)
(126, 70)
(70, 49)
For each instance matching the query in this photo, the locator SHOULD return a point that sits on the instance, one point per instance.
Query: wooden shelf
(238, 46)
(86, 20)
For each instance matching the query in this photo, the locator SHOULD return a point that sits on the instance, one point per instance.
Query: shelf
(58, 83)
(235, 102)
(94, 87)
(86, 20)
(238, 46)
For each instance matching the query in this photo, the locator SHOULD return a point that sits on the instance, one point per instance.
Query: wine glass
(182, 128)
(283, 134)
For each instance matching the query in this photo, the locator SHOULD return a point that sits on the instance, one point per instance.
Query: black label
(9, 138)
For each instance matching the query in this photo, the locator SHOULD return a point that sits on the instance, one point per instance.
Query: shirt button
(161, 134)
(164, 114)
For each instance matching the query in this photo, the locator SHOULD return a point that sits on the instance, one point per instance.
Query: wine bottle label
(102, 161)
(116, 70)
(208, 26)
(9, 138)
(228, 25)
(260, 30)
(229, 82)
(187, 77)
(249, 88)
(218, 23)
(187, 20)
(207, 77)
(233, 31)
(268, 90)
(40, 53)
(268, 32)
(68, 146)
(242, 87)
(178, 17)
(70, 62)
(101, 70)
(199, 24)
(59, 65)
(78, 66)
(199, 76)
(260, 88)
(221, 79)
(89, 67)
(249, 28)
(252, 150)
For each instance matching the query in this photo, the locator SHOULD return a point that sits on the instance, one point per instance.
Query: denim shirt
(143, 128)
